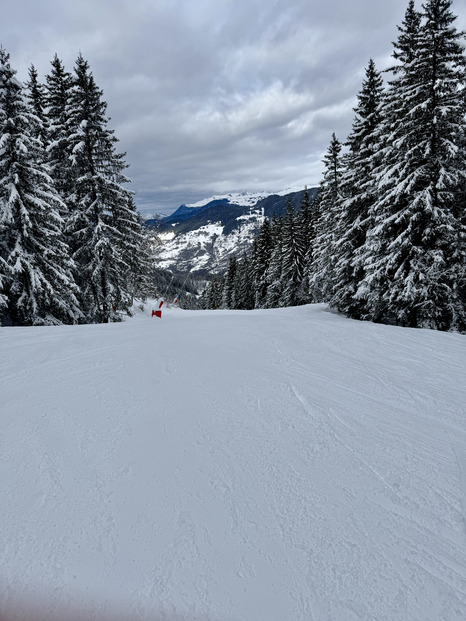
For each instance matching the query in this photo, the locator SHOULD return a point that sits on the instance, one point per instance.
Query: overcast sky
(212, 96)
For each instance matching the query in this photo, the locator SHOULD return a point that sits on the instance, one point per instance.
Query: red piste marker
(158, 313)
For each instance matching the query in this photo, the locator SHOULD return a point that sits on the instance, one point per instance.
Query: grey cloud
(208, 95)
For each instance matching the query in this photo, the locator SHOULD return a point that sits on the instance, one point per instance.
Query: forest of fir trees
(72, 246)
(385, 240)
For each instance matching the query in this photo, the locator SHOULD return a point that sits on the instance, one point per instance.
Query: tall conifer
(359, 194)
(415, 250)
(38, 283)
(307, 231)
(261, 260)
(293, 253)
(229, 300)
(36, 98)
(244, 284)
(103, 223)
(57, 102)
(275, 269)
(322, 268)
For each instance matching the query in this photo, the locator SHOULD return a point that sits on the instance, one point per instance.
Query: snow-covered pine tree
(404, 48)
(4, 273)
(415, 251)
(359, 192)
(306, 224)
(212, 296)
(218, 286)
(244, 284)
(261, 260)
(229, 286)
(103, 225)
(274, 271)
(38, 283)
(322, 268)
(141, 261)
(36, 97)
(293, 253)
(57, 102)
(306, 227)
(132, 243)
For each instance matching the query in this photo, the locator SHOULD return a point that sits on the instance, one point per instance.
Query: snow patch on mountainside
(245, 199)
(252, 215)
(166, 236)
(199, 243)
(207, 248)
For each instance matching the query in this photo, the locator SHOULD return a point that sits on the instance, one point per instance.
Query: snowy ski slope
(281, 465)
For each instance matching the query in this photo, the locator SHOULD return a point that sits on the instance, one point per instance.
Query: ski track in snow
(282, 465)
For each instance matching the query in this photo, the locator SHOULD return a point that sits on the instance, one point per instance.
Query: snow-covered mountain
(246, 199)
(202, 236)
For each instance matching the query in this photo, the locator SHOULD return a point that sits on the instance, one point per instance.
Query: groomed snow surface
(280, 465)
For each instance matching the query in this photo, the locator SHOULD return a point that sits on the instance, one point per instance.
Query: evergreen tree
(293, 252)
(141, 261)
(261, 260)
(37, 284)
(103, 224)
(4, 272)
(244, 284)
(212, 295)
(229, 286)
(404, 49)
(134, 248)
(275, 269)
(57, 102)
(322, 268)
(307, 227)
(36, 97)
(359, 192)
(308, 217)
(415, 250)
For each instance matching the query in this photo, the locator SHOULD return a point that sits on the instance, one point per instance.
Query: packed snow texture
(279, 465)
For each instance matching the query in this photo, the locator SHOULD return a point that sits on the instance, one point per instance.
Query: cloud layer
(215, 95)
